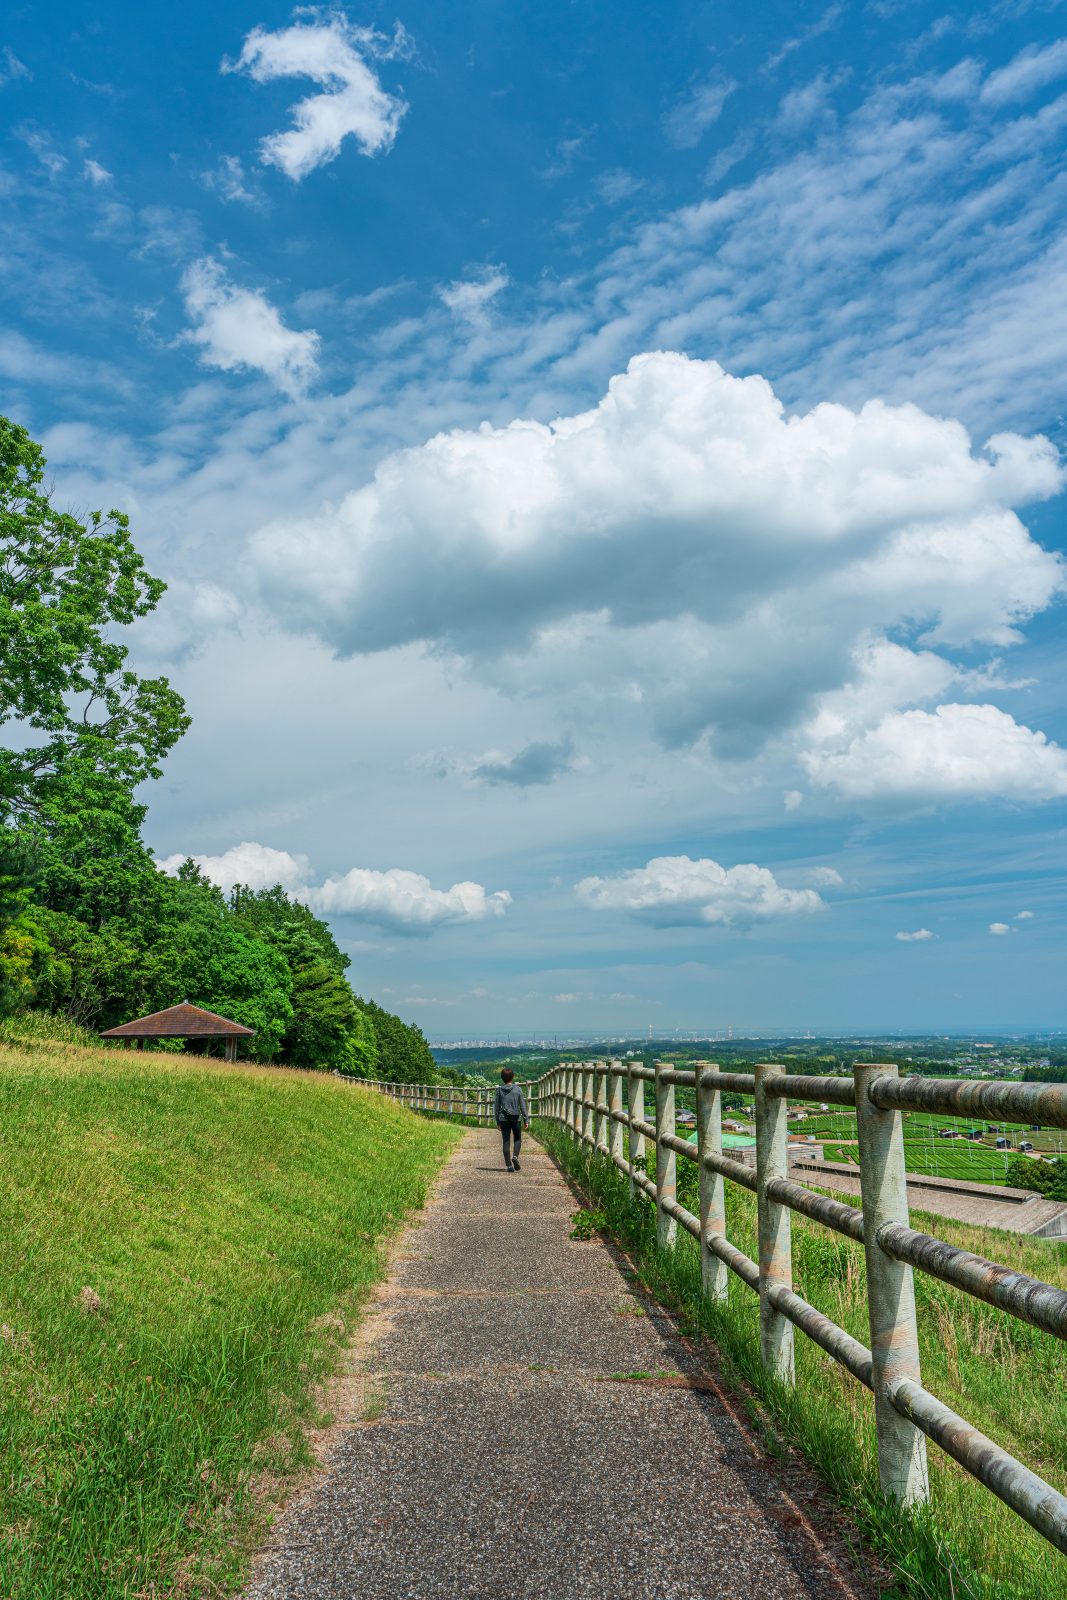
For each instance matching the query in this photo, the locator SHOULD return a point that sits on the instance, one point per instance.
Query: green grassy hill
(182, 1245)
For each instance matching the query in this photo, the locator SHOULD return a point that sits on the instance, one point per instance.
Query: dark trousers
(511, 1128)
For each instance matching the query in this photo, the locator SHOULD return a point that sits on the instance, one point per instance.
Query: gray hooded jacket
(509, 1102)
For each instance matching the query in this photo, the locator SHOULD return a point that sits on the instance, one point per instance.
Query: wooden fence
(602, 1105)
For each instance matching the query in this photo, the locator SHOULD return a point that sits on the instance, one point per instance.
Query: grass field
(1006, 1378)
(182, 1248)
(975, 1163)
(925, 1151)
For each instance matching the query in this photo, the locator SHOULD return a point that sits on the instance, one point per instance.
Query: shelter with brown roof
(182, 1022)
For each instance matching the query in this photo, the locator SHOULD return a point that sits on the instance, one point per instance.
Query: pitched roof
(180, 1022)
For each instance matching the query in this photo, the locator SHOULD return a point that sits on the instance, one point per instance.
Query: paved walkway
(510, 1459)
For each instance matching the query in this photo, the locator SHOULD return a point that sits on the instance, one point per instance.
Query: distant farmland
(926, 1151)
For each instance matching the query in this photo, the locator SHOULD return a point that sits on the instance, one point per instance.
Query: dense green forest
(89, 926)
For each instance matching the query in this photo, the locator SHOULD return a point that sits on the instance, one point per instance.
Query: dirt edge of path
(352, 1397)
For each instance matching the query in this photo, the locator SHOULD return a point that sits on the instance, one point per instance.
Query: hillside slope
(181, 1245)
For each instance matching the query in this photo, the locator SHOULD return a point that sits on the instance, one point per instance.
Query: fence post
(588, 1095)
(602, 1082)
(713, 1272)
(635, 1111)
(890, 1290)
(615, 1110)
(666, 1160)
(775, 1227)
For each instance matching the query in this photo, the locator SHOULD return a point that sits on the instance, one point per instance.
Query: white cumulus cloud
(329, 50)
(257, 866)
(236, 329)
(676, 891)
(745, 563)
(1024, 916)
(915, 937)
(403, 902)
(957, 752)
(999, 929)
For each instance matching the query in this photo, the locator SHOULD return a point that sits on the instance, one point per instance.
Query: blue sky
(607, 462)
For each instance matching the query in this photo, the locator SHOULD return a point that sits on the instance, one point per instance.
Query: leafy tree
(26, 963)
(96, 977)
(327, 1030)
(23, 949)
(270, 914)
(1044, 1177)
(63, 676)
(201, 953)
(88, 925)
(403, 1054)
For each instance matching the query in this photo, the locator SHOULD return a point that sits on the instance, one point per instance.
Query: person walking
(509, 1109)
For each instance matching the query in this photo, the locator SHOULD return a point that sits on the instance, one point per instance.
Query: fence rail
(588, 1100)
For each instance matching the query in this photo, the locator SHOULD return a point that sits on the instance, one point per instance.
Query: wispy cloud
(538, 763)
(229, 181)
(686, 122)
(1030, 70)
(11, 68)
(797, 41)
(469, 299)
(40, 142)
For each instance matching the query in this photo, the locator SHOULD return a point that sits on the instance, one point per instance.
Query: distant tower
(730, 1032)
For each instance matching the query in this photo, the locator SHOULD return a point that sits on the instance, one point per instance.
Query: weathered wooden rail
(602, 1105)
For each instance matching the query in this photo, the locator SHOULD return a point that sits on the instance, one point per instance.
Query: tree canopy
(89, 925)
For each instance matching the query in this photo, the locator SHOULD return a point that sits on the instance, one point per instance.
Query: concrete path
(511, 1459)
